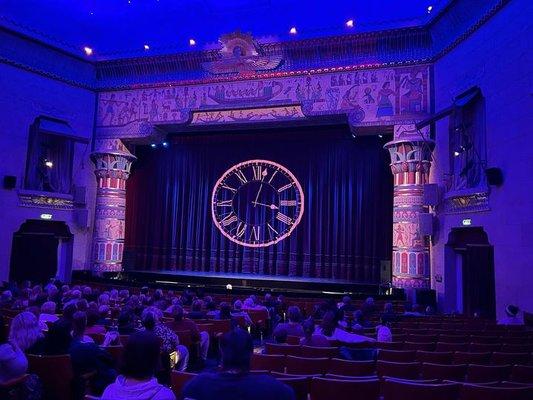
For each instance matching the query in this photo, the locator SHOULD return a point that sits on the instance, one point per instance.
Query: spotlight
(192, 42)
(349, 23)
(165, 144)
(146, 47)
(293, 31)
(456, 153)
(88, 51)
(229, 286)
(48, 163)
(380, 136)
(153, 145)
(430, 8)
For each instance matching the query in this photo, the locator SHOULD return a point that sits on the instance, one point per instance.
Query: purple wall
(498, 59)
(25, 96)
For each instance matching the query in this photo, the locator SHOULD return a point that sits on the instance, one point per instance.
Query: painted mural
(368, 97)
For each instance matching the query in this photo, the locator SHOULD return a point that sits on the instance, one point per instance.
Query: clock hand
(271, 206)
(256, 197)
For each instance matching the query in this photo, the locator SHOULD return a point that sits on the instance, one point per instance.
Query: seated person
(138, 368)
(181, 324)
(25, 333)
(311, 338)
(196, 310)
(383, 332)
(238, 312)
(92, 326)
(294, 326)
(48, 314)
(13, 361)
(331, 330)
(126, 323)
(234, 380)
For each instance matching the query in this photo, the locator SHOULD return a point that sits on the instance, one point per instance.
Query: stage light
(229, 287)
(165, 144)
(380, 136)
(192, 42)
(146, 47)
(430, 8)
(456, 153)
(48, 163)
(153, 145)
(88, 51)
(293, 31)
(349, 23)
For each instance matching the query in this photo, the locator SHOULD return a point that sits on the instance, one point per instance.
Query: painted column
(112, 168)
(410, 154)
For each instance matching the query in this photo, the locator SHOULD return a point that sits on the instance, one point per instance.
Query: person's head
(7, 296)
(79, 323)
(369, 301)
(58, 338)
(52, 291)
(177, 313)
(48, 307)
(82, 305)
(75, 294)
(309, 327)
(92, 317)
(511, 310)
(124, 294)
(237, 305)
(86, 291)
(25, 330)
(280, 336)
(388, 309)
(125, 319)
(294, 314)
(248, 303)
(225, 310)
(268, 298)
(346, 300)
(145, 290)
(236, 349)
(150, 317)
(140, 359)
(329, 323)
(196, 306)
(103, 311)
(69, 309)
(103, 299)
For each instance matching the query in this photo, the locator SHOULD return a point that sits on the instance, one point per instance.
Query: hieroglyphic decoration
(112, 168)
(467, 203)
(386, 96)
(240, 54)
(247, 115)
(45, 200)
(410, 164)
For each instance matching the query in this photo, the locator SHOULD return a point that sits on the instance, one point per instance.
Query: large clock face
(257, 203)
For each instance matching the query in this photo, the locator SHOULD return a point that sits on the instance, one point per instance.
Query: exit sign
(467, 222)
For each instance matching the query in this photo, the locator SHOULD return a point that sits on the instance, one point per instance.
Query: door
(478, 280)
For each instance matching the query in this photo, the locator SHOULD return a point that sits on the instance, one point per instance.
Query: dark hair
(79, 323)
(225, 311)
(177, 313)
(58, 339)
(236, 347)
(92, 317)
(125, 319)
(140, 359)
(294, 314)
(3, 330)
(280, 335)
(68, 311)
(149, 320)
(329, 323)
(309, 327)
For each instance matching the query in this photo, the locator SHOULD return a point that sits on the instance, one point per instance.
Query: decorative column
(410, 154)
(113, 162)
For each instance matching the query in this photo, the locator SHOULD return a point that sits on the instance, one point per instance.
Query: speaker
(10, 181)
(81, 217)
(494, 176)
(79, 194)
(128, 260)
(426, 297)
(431, 194)
(386, 273)
(425, 222)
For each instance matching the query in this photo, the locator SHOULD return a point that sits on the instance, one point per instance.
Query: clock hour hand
(271, 206)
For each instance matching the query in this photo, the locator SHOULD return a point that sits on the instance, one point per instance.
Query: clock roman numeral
(229, 188)
(283, 218)
(271, 230)
(229, 219)
(259, 173)
(281, 189)
(288, 203)
(241, 228)
(256, 230)
(225, 203)
(241, 176)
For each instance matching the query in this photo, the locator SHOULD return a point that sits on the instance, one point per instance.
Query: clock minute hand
(271, 206)
(257, 197)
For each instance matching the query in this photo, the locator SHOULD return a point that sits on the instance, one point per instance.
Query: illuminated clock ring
(272, 178)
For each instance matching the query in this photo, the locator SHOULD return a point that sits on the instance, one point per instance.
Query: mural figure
(367, 97)
(385, 108)
(411, 101)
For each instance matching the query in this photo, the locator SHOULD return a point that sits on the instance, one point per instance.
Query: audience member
(238, 312)
(138, 367)
(234, 380)
(182, 324)
(13, 361)
(330, 329)
(25, 332)
(294, 326)
(47, 315)
(312, 338)
(196, 310)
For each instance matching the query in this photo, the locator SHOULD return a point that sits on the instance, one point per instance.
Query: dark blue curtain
(345, 232)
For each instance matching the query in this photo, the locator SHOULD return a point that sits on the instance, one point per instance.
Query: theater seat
(466, 357)
(351, 368)
(55, 373)
(338, 389)
(436, 357)
(442, 371)
(300, 386)
(319, 352)
(269, 362)
(408, 370)
(307, 366)
(397, 355)
(404, 390)
(500, 358)
(522, 373)
(487, 373)
(480, 392)
(178, 380)
(283, 349)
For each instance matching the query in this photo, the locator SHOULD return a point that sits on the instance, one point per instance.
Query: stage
(249, 283)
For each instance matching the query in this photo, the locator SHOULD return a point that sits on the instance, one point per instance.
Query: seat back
(268, 362)
(522, 373)
(442, 346)
(306, 366)
(115, 352)
(487, 373)
(405, 390)
(300, 386)
(436, 357)
(283, 349)
(500, 358)
(466, 357)
(455, 372)
(397, 355)
(55, 373)
(338, 366)
(405, 370)
(341, 389)
(319, 352)
(476, 392)
(220, 326)
(178, 379)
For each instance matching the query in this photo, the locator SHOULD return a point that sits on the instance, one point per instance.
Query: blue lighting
(153, 145)
(165, 144)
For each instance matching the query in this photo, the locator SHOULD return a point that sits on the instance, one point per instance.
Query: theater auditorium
(266, 199)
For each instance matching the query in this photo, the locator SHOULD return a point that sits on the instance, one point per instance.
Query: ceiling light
(456, 153)
(88, 51)
(146, 47)
(430, 8)
(380, 136)
(49, 164)
(153, 145)
(165, 144)
(349, 23)
(192, 42)
(293, 31)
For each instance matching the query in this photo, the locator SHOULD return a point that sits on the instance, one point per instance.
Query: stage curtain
(345, 232)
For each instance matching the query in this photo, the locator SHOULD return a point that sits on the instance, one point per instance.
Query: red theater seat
(452, 346)
(351, 368)
(178, 380)
(405, 370)
(319, 352)
(300, 386)
(466, 357)
(480, 392)
(283, 349)
(522, 373)
(339, 389)
(397, 355)
(306, 366)
(509, 358)
(56, 374)
(437, 357)
(487, 373)
(404, 390)
(442, 371)
(269, 362)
